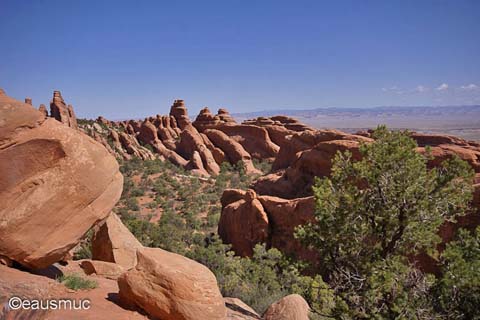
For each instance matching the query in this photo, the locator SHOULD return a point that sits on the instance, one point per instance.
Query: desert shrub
(76, 282)
(84, 251)
(132, 204)
(260, 280)
(264, 166)
(137, 192)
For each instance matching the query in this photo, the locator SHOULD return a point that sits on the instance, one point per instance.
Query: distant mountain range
(370, 111)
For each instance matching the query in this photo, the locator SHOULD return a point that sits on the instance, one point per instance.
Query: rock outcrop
(255, 140)
(291, 307)
(233, 150)
(43, 110)
(216, 138)
(190, 142)
(234, 220)
(306, 140)
(296, 181)
(62, 183)
(171, 287)
(113, 242)
(179, 112)
(61, 111)
(248, 219)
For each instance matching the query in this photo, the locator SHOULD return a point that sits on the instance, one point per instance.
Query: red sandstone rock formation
(179, 112)
(248, 219)
(239, 310)
(306, 140)
(191, 141)
(233, 150)
(171, 287)
(196, 166)
(60, 111)
(62, 183)
(291, 307)
(296, 181)
(104, 269)
(255, 140)
(128, 146)
(225, 116)
(103, 121)
(234, 219)
(206, 120)
(113, 242)
(147, 133)
(217, 153)
(173, 137)
(43, 110)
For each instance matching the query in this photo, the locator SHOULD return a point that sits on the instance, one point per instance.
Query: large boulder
(113, 242)
(56, 184)
(291, 307)
(171, 287)
(104, 269)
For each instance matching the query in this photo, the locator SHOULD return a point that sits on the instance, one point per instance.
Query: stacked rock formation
(202, 145)
(61, 111)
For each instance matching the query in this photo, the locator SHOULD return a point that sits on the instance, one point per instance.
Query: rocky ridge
(200, 146)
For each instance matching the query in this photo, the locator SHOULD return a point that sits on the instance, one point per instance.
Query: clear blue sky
(125, 59)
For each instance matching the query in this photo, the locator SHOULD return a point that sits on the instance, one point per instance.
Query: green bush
(373, 213)
(76, 282)
(458, 291)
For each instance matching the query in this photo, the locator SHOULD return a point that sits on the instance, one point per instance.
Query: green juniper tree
(372, 214)
(457, 293)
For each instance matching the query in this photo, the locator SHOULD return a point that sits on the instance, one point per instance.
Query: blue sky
(124, 59)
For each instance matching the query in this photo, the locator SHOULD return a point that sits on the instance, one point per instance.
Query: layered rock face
(202, 145)
(285, 196)
(56, 183)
